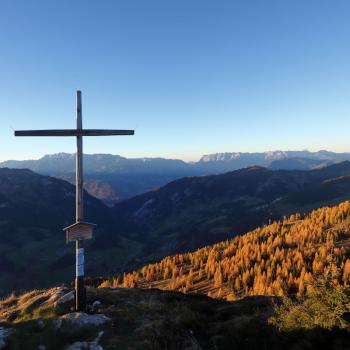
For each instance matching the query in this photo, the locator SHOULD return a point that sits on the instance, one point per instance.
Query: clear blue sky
(191, 76)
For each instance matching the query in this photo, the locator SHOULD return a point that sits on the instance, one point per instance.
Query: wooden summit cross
(80, 230)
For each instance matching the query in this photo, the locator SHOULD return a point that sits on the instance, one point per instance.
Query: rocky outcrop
(64, 302)
(81, 319)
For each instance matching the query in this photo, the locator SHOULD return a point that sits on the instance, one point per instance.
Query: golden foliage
(279, 259)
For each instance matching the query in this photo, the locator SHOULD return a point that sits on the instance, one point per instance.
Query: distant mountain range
(270, 156)
(291, 160)
(113, 178)
(110, 178)
(63, 163)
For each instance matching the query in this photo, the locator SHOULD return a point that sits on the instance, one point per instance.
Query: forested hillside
(194, 212)
(278, 259)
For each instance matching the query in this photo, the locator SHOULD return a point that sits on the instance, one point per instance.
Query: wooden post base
(80, 294)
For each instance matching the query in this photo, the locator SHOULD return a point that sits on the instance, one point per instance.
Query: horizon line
(176, 158)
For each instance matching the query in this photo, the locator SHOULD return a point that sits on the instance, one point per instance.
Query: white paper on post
(80, 262)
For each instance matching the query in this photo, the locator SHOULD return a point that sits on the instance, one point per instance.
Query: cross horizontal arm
(73, 132)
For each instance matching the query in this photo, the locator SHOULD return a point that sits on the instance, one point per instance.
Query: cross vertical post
(80, 230)
(80, 292)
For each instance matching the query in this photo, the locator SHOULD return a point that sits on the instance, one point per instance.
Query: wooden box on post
(79, 231)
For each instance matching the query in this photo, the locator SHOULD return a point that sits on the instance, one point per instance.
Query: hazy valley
(181, 216)
(113, 178)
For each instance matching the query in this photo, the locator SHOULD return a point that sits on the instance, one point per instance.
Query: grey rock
(96, 303)
(41, 324)
(94, 306)
(81, 319)
(64, 299)
(57, 293)
(57, 324)
(84, 345)
(4, 333)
